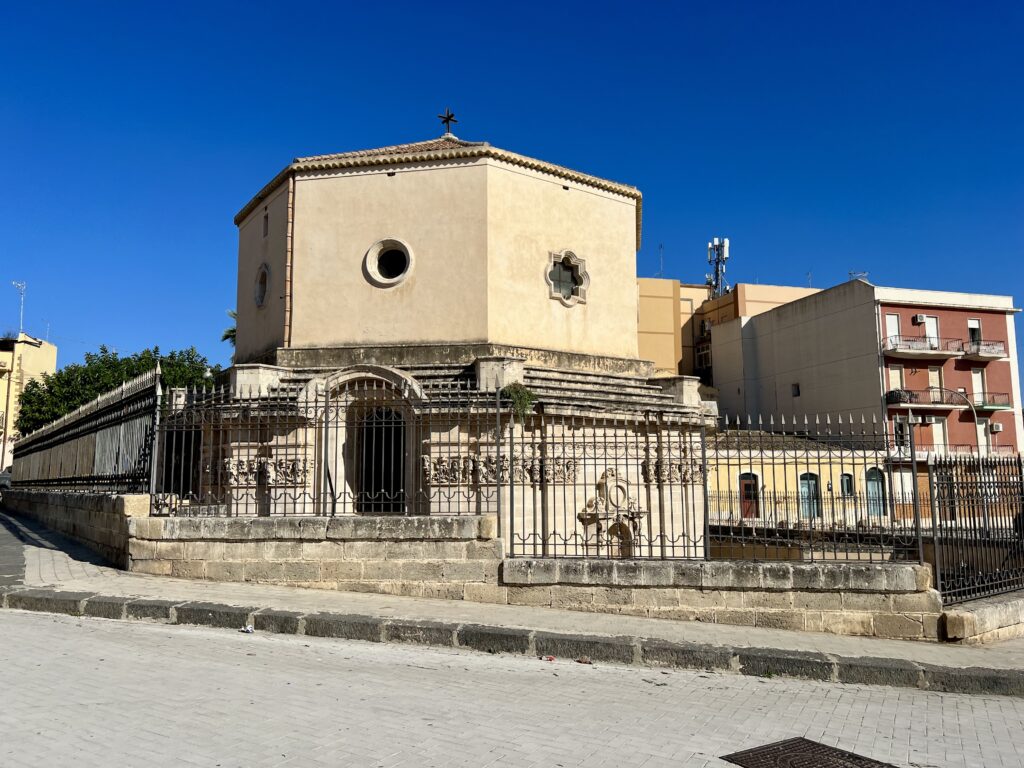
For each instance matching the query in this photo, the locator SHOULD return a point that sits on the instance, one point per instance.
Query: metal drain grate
(800, 753)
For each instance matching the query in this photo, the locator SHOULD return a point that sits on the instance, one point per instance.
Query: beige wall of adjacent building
(816, 355)
(22, 359)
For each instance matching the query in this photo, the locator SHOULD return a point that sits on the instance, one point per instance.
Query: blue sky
(820, 137)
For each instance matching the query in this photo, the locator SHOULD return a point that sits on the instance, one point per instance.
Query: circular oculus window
(388, 262)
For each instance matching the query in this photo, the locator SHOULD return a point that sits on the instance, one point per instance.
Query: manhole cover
(800, 753)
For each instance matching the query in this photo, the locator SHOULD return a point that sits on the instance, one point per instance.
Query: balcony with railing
(932, 399)
(991, 401)
(982, 350)
(922, 347)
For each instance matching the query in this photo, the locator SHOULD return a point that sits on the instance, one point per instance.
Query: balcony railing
(982, 348)
(923, 345)
(934, 397)
(990, 399)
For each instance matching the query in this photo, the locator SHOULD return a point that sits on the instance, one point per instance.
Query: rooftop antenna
(809, 279)
(661, 259)
(718, 254)
(19, 285)
(854, 275)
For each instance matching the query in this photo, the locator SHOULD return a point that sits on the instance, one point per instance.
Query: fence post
(497, 443)
(915, 496)
(936, 553)
(707, 495)
(154, 450)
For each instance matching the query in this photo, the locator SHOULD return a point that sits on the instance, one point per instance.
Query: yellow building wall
(659, 324)
(29, 359)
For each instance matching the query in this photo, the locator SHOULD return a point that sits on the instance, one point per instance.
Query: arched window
(750, 491)
(810, 495)
(874, 483)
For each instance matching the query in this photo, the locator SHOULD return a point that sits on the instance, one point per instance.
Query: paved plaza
(91, 692)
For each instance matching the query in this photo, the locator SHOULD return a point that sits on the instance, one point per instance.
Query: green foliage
(56, 394)
(522, 399)
(229, 333)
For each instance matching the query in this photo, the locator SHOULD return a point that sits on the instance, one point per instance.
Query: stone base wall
(446, 557)
(97, 521)
(461, 558)
(892, 600)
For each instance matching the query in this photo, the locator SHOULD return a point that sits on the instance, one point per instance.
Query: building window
(795, 389)
(810, 495)
(266, 223)
(875, 482)
(567, 278)
(846, 484)
(974, 331)
(703, 356)
(388, 263)
(259, 292)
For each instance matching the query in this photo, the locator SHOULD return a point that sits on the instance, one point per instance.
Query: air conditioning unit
(996, 428)
(929, 419)
(918, 319)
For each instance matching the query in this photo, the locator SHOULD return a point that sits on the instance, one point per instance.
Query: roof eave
(327, 162)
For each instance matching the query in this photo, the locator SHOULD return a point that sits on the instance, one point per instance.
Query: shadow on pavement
(32, 534)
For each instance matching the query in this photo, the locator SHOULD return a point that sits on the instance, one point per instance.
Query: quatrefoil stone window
(567, 278)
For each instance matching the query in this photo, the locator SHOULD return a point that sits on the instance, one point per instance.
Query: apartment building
(941, 363)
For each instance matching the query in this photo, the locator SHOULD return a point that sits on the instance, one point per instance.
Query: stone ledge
(563, 645)
(423, 528)
(986, 620)
(892, 578)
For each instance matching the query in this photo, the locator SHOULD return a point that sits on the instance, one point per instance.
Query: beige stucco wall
(261, 329)
(660, 324)
(438, 212)
(480, 231)
(826, 342)
(531, 214)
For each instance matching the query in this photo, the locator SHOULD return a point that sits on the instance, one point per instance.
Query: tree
(55, 394)
(229, 333)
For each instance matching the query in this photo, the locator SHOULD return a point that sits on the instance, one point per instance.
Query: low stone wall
(461, 558)
(893, 600)
(97, 521)
(446, 557)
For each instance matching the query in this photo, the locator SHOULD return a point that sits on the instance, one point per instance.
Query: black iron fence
(363, 446)
(646, 484)
(977, 525)
(104, 446)
(607, 486)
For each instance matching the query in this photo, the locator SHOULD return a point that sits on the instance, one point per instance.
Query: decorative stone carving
(684, 468)
(614, 512)
(280, 471)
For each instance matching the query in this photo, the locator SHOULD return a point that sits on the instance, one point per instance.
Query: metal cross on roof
(447, 119)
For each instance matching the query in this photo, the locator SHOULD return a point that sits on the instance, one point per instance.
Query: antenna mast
(20, 286)
(718, 254)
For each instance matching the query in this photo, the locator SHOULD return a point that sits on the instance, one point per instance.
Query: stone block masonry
(461, 558)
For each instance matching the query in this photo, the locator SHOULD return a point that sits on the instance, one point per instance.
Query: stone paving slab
(56, 581)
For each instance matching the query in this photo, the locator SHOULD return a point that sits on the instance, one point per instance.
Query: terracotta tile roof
(431, 145)
(446, 147)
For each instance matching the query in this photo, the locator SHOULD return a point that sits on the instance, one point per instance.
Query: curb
(632, 650)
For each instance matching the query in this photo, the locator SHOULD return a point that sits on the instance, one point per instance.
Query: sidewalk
(60, 576)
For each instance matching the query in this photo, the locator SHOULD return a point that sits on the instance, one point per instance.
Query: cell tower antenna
(661, 259)
(20, 287)
(718, 254)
